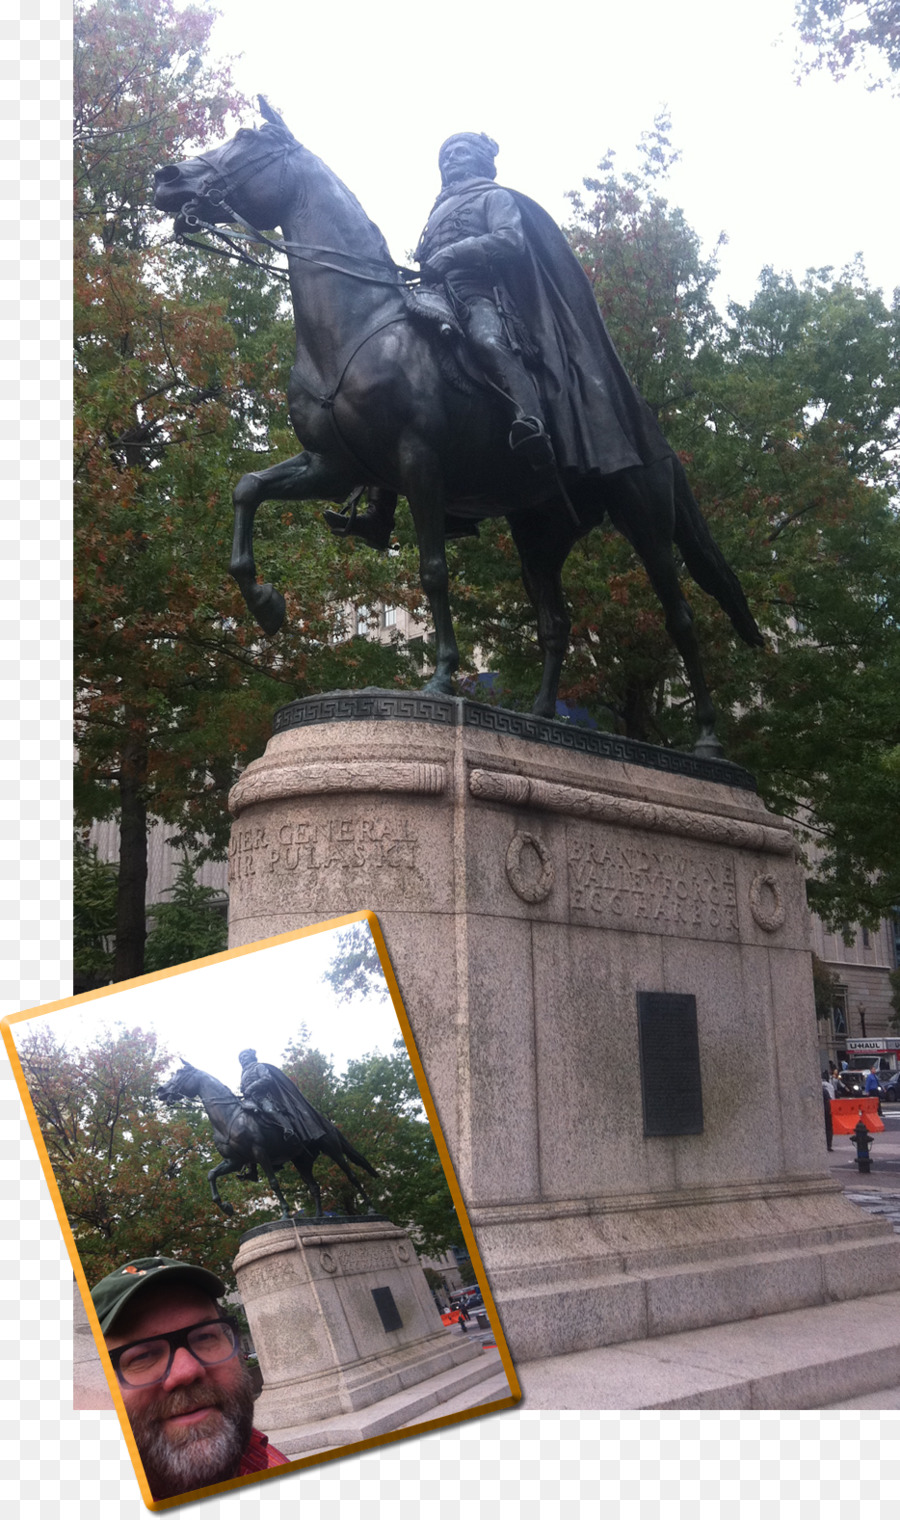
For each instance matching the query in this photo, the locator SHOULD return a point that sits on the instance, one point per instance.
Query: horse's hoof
(543, 709)
(439, 686)
(228, 1208)
(267, 606)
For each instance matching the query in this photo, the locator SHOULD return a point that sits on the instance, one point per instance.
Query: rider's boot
(376, 524)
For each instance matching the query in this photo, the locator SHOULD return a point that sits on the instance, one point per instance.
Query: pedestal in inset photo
(342, 1318)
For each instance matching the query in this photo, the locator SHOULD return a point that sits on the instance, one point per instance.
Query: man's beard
(192, 1456)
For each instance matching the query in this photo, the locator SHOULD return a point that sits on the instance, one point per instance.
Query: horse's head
(184, 1084)
(245, 175)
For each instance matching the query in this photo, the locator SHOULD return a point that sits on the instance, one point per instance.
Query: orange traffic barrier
(847, 1112)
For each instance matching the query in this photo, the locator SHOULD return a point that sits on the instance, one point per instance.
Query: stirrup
(530, 440)
(341, 523)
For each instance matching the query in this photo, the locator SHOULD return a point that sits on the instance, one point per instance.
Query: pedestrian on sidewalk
(827, 1095)
(873, 1086)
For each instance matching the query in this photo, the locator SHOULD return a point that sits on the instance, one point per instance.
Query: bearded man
(185, 1385)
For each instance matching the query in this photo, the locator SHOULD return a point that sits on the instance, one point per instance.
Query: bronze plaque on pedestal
(670, 1063)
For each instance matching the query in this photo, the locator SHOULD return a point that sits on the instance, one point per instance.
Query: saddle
(428, 308)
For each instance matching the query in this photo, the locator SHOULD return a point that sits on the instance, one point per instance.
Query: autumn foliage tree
(132, 1172)
(181, 373)
(847, 36)
(126, 1168)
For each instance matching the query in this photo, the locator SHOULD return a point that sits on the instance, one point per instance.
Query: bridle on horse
(309, 253)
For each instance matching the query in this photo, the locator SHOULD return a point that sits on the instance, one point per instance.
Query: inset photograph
(270, 1243)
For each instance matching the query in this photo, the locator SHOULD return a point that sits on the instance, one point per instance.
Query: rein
(307, 252)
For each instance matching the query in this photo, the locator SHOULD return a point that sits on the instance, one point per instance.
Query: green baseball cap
(118, 1288)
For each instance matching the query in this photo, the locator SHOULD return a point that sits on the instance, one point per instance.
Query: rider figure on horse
(277, 1098)
(473, 231)
(534, 330)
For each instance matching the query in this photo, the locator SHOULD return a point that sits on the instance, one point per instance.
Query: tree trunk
(131, 919)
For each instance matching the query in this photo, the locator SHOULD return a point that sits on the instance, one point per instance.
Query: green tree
(786, 415)
(131, 1174)
(376, 1105)
(188, 927)
(94, 891)
(355, 969)
(800, 447)
(845, 36)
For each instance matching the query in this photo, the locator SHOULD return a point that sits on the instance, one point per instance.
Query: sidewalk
(842, 1355)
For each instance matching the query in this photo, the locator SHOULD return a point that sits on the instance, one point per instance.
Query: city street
(879, 1190)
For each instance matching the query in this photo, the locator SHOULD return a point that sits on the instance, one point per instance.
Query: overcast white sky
(797, 176)
(208, 1014)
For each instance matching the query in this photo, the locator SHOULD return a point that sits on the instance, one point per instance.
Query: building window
(839, 1014)
(362, 620)
(390, 617)
(865, 939)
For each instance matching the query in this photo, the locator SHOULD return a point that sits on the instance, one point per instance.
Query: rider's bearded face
(461, 160)
(192, 1428)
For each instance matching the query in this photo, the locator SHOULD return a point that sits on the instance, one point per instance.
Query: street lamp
(861, 1009)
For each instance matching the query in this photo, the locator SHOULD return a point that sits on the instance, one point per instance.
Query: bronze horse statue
(375, 403)
(247, 1140)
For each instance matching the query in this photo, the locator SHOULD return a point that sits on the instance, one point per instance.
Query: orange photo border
(435, 1423)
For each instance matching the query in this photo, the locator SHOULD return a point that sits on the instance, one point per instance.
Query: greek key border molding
(375, 705)
(270, 783)
(627, 812)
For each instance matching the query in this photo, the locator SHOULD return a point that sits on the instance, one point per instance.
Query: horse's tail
(353, 1154)
(706, 562)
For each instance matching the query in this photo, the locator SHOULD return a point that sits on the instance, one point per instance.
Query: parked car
(854, 1081)
(891, 1089)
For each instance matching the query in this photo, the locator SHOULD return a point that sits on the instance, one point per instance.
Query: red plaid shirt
(260, 1454)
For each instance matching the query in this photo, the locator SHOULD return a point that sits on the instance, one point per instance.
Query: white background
(699, 1466)
(209, 1014)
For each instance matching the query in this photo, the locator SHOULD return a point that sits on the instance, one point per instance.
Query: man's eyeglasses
(141, 1363)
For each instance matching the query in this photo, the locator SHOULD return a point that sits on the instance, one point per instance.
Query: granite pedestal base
(531, 880)
(342, 1319)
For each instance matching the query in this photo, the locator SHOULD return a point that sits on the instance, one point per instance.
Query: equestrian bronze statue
(488, 386)
(273, 1125)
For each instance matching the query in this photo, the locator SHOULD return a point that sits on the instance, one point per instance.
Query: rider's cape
(596, 418)
(304, 1120)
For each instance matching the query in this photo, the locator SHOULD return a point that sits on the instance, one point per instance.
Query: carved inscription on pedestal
(670, 1063)
(619, 881)
(311, 852)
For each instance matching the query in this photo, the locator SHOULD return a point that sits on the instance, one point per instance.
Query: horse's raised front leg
(303, 477)
(212, 1178)
(543, 541)
(427, 507)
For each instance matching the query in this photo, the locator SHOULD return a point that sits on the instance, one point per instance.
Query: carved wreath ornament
(765, 903)
(529, 868)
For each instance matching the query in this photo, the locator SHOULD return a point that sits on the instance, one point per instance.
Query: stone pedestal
(531, 880)
(341, 1318)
